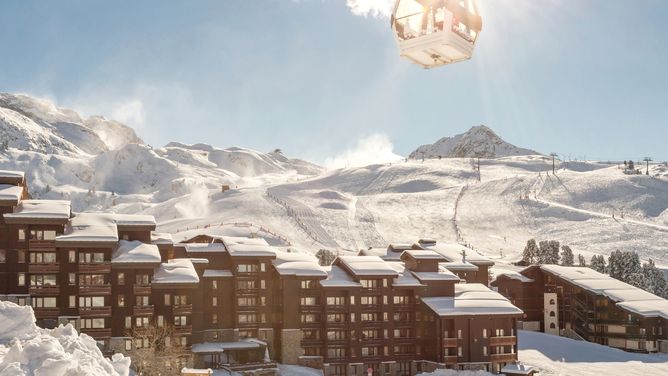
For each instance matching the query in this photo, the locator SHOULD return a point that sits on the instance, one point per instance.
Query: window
(128, 345)
(313, 334)
(141, 300)
(246, 284)
(120, 278)
(184, 341)
(263, 267)
(141, 322)
(72, 279)
(247, 301)
(91, 257)
(369, 300)
(142, 279)
(214, 318)
(459, 351)
(336, 317)
(72, 256)
(484, 333)
(168, 300)
(42, 257)
(552, 302)
(402, 299)
(247, 318)
(21, 279)
(73, 301)
(402, 316)
(3, 256)
(369, 316)
(43, 280)
(500, 332)
(247, 268)
(370, 351)
(337, 335)
(180, 300)
(92, 279)
(336, 300)
(308, 301)
(263, 284)
(370, 283)
(404, 349)
(247, 334)
(484, 351)
(120, 301)
(336, 352)
(214, 301)
(91, 301)
(459, 333)
(128, 322)
(92, 323)
(46, 302)
(142, 343)
(214, 285)
(309, 284)
(309, 318)
(403, 333)
(22, 234)
(370, 334)
(160, 321)
(552, 326)
(180, 320)
(552, 314)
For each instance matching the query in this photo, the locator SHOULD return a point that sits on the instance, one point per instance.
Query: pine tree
(581, 260)
(530, 253)
(655, 280)
(543, 250)
(631, 266)
(549, 252)
(615, 268)
(567, 258)
(598, 263)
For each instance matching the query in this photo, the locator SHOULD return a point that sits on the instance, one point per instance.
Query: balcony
(97, 332)
(143, 310)
(44, 290)
(183, 329)
(104, 267)
(141, 289)
(47, 313)
(450, 342)
(95, 311)
(496, 358)
(42, 244)
(183, 309)
(95, 290)
(44, 268)
(502, 341)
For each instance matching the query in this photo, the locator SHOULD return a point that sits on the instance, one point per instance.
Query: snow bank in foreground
(26, 349)
(449, 372)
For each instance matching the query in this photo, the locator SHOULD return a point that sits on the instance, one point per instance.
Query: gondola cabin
(432, 33)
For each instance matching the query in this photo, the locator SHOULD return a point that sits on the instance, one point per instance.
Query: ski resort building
(239, 303)
(581, 303)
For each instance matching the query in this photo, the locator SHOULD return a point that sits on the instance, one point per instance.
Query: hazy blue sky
(579, 77)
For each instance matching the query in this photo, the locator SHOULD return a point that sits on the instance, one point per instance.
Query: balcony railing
(450, 342)
(138, 289)
(94, 289)
(183, 329)
(502, 341)
(44, 290)
(49, 244)
(183, 309)
(104, 267)
(503, 357)
(450, 359)
(47, 313)
(97, 332)
(143, 310)
(95, 311)
(48, 268)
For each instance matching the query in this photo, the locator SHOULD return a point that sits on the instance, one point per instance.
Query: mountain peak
(479, 141)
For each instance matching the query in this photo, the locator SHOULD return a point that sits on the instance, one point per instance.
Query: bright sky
(578, 77)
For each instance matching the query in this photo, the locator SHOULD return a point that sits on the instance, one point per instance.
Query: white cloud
(373, 8)
(373, 149)
(130, 112)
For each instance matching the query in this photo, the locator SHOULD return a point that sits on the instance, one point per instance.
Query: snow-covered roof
(90, 228)
(136, 252)
(196, 371)
(472, 299)
(40, 210)
(217, 273)
(459, 266)
(250, 250)
(514, 275)
(240, 240)
(298, 264)
(405, 277)
(628, 297)
(175, 271)
(135, 220)
(383, 253)
(362, 266)
(161, 238)
(517, 369)
(205, 247)
(441, 275)
(12, 174)
(400, 246)
(337, 277)
(453, 253)
(424, 255)
(220, 347)
(11, 193)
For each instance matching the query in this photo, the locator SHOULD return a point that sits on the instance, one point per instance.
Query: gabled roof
(250, 250)
(11, 177)
(298, 264)
(136, 252)
(423, 255)
(405, 277)
(90, 229)
(40, 211)
(383, 253)
(472, 299)
(135, 220)
(338, 278)
(205, 247)
(162, 238)
(366, 266)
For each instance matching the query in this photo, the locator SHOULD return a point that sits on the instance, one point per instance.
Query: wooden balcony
(450, 359)
(143, 310)
(95, 290)
(496, 358)
(47, 313)
(97, 333)
(104, 267)
(183, 329)
(502, 341)
(141, 289)
(182, 309)
(44, 290)
(450, 342)
(42, 244)
(44, 268)
(95, 311)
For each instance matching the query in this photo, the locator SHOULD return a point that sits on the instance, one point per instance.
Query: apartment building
(582, 303)
(241, 303)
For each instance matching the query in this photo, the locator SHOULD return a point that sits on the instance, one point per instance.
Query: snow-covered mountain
(479, 141)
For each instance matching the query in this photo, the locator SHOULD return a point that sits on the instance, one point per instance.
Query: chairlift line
(433, 33)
